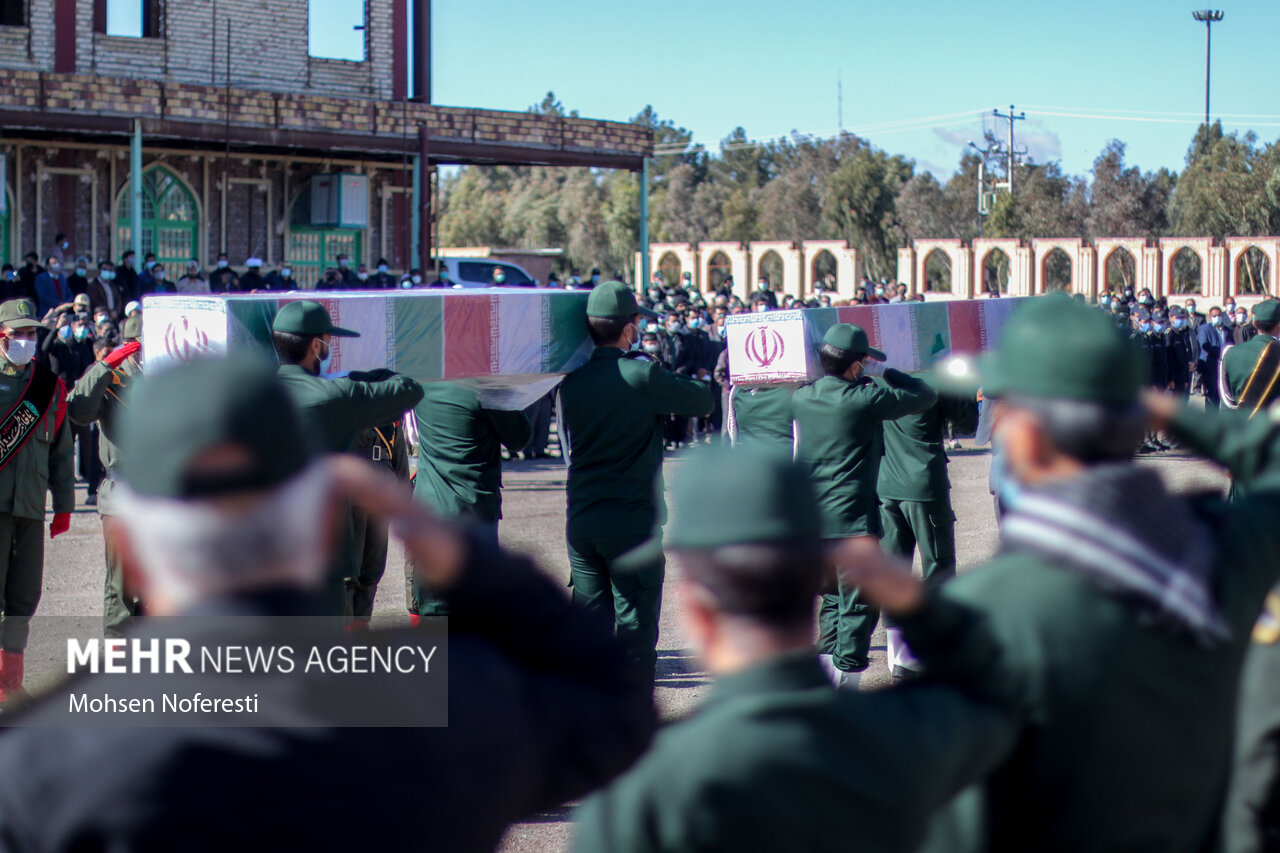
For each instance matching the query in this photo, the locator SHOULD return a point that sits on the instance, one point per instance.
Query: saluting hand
(121, 354)
(880, 578)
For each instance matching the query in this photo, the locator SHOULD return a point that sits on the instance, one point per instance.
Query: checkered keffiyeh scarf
(1119, 527)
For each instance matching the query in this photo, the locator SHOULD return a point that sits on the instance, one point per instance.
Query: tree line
(805, 188)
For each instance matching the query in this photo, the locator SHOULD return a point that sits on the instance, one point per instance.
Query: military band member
(35, 461)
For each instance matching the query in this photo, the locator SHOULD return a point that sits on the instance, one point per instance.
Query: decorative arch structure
(1237, 246)
(959, 256)
(791, 266)
(685, 253)
(1212, 265)
(846, 265)
(1146, 261)
(171, 217)
(1081, 257)
(739, 267)
(1019, 264)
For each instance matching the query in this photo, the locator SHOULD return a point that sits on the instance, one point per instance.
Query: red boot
(414, 620)
(358, 626)
(11, 676)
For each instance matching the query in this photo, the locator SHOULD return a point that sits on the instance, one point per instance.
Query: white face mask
(326, 360)
(19, 351)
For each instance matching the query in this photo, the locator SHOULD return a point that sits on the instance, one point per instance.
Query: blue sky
(916, 75)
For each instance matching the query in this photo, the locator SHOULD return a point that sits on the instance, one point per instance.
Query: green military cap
(19, 314)
(1267, 313)
(131, 329)
(851, 338)
(306, 317)
(613, 299)
(738, 496)
(1055, 349)
(173, 417)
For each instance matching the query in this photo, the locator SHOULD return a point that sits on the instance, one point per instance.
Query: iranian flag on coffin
(511, 345)
(782, 346)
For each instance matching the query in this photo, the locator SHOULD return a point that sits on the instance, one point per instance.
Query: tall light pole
(1209, 16)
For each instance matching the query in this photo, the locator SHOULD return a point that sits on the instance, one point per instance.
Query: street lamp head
(1207, 15)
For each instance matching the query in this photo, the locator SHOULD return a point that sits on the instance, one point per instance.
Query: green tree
(860, 204)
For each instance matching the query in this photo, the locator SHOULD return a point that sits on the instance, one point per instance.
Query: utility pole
(839, 100)
(1209, 16)
(1011, 117)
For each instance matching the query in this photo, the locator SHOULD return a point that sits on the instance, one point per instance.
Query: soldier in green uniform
(1252, 819)
(775, 759)
(611, 413)
(915, 499)
(840, 442)
(385, 448)
(1123, 610)
(97, 398)
(335, 411)
(35, 459)
(1239, 362)
(761, 416)
(460, 463)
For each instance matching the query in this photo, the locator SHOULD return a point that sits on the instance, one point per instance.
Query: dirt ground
(534, 506)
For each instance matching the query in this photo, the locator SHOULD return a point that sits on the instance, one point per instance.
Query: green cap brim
(23, 323)
(648, 312)
(339, 332)
(876, 354)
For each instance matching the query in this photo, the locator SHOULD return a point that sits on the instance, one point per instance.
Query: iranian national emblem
(184, 342)
(764, 346)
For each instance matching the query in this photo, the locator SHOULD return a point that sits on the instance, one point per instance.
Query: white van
(478, 272)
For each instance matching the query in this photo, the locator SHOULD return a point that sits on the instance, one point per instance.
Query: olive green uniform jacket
(840, 442)
(1252, 816)
(45, 463)
(776, 759)
(460, 451)
(914, 467)
(1129, 724)
(98, 398)
(335, 412)
(762, 417)
(611, 412)
(1240, 361)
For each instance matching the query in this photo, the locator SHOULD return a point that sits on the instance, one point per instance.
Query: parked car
(478, 272)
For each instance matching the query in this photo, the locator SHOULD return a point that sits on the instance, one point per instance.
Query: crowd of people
(1077, 692)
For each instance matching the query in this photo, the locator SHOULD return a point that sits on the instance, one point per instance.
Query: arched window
(170, 218)
(312, 249)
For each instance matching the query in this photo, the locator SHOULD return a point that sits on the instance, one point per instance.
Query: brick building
(229, 148)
